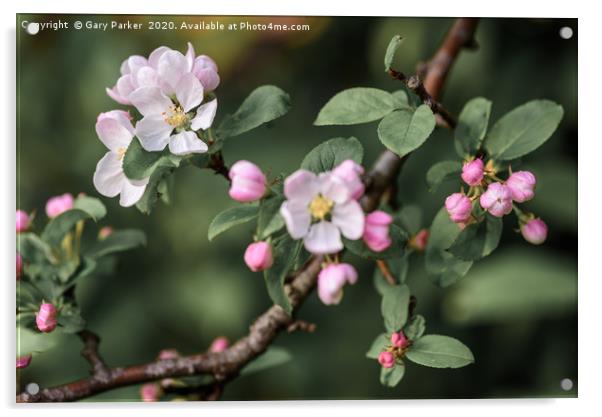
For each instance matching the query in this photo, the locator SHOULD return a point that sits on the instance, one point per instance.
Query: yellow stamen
(320, 206)
(121, 152)
(175, 116)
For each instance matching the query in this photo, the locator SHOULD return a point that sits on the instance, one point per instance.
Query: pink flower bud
(205, 69)
(386, 359)
(535, 231)
(168, 354)
(351, 172)
(105, 232)
(19, 265)
(420, 240)
(258, 256)
(459, 207)
(150, 392)
(248, 182)
(399, 339)
(521, 185)
(23, 221)
(497, 200)
(376, 230)
(23, 361)
(331, 281)
(59, 204)
(46, 318)
(219, 344)
(472, 172)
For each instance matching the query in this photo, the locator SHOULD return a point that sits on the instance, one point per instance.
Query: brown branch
(90, 352)
(226, 365)
(384, 269)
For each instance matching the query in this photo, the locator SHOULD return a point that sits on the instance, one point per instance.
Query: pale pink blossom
(136, 71)
(497, 200)
(458, 207)
(473, 172)
(248, 182)
(351, 172)
(258, 256)
(522, 186)
(22, 221)
(59, 204)
(331, 281)
(46, 318)
(219, 344)
(376, 230)
(535, 231)
(205, 69)
(386, 359)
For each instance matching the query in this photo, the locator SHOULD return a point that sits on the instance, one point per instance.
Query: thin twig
(384, 268)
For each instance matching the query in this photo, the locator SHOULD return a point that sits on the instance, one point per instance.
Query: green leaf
(263, 105)
(379, 345)
(402, 100)
(86, 267)
(391, 50)
(523, 129)
(472, 126)
(269, 220)
(118, 241)
(139, 164)
(29, 341)
(404, 131)
(390, 377)
(70, 319)
(274, 356)
(415, 327)
(154, 189)
(394, 307)
(439, 352)
(231, 217)
(331, 153)
(284, 251)
(356, 105)
(443, 267)
(58, 227)
(399, 239)
(478, 240)
(442, 171)
(33, 249)
(92, 206)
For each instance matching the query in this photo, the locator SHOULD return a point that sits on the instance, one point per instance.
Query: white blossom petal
(323, 238)
(333, 187)
(113, 134)
(125, 86)
(186, 142)
(153, 132)
(189, 92)
(301, 186)
(145, 77)
(112, 92)
(190, 55)
(349, 217)
(150, 101)
(109, 177)
(155, 56)
(172, 66)
(131, 192)
(297, 218)
(204, 116)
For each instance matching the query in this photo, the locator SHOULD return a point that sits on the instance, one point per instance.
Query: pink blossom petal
(108, 177)
(153, 132)
(297, 218)
(172, 66)
(323, 238)
(334, 188)
(349, 217)
(204, 116)
(189, 92)
(113, 134)
(131, 192)
(155, 56)
(150, 101)
(301, 186)
(185, 143)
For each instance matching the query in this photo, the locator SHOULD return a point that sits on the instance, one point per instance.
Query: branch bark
(226, 365)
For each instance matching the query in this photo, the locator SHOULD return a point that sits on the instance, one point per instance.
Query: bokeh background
(517, 309)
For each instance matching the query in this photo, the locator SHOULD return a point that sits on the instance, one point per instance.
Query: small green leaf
(404, 131)
(331, 153)
(284, 250)
(523, 129)
(118, 241)
(478, 240)
(394, 307)
(154, 189)
(231, 217)
(92, 206)
(378, 345)
(442, 171)
(390, 377)
(402, 100)
(398, 237)
(58, 227)
(274, 356)
(415, 327)
(263, 105)
(33, 249)
(139, 164)
(439, 352)
(29, 341)
(355, 106)
(269, 220)
(70, 319)
(472, 126)
(391, 50)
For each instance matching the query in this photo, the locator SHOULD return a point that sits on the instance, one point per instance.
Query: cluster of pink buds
(46, 318)
(495, 196)
(395, 351)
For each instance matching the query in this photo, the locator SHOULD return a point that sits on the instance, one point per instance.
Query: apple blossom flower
(136, 71)
(19, 265)
(46, 318)
(219, 344)
(458, 207)
(248, 182)
(59, 204)
(534, 231)
(22, 221)
(150, 392)
(318, 209)
(331, 281)
(376, 230)
(399, 339)
(23, 361)
(473, 172)
(521, 185)
(116, 132)
(351, 172)
(258, 256)
(497, 200)
(386, 359)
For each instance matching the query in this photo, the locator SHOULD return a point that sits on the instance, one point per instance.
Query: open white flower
(116, 132)
(319, 209)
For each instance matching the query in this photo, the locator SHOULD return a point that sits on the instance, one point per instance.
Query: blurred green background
(517, 309)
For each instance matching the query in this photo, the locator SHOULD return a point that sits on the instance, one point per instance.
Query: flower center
(121, 152)
(320, 206)
(175, 116)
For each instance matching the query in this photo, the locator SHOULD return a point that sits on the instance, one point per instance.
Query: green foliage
(390, 377)
(404, 131)
(355, 106)
(139, 164)
(442, 171)
(402, 100)
(285, 251)
(29, 341)
(118, 241)
(274, 356)
(399, 239)
(478, 240)
(523, 129)
(394, 307)
(264, 104)
(269, 221)
(331, 153)
(33, 249)
(391, 50)
(415, 327)
(92, 206)
(231, 217)
(70, 319)
(472, 126)
(379, 345)
(58, 227)
(154, 189)
(439, 352)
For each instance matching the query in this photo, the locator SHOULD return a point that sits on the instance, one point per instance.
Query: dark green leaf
(70, 319)
(478, 240)
(472, 126)
(415, 327)
(153, 189)
(378, 345)
(118, 241)
(263, 105)
(231, 217)
(33, 249)
(439, 352)
(86, 268)
(443, 171)
(391, 50)
(92, 206)
(404, 131)
(269, 220)
(331, 153)
(58, 227)
(390, 377)
(274, 356)
(139, 164)
(285, 250)
(355, 106)
(523, 129)
(394, 307)
(399, 239)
